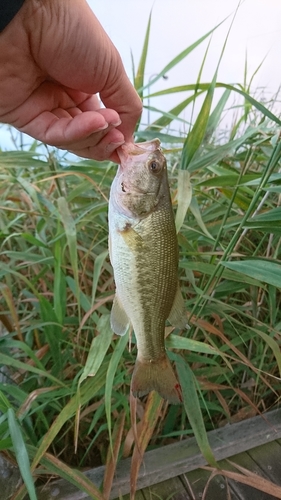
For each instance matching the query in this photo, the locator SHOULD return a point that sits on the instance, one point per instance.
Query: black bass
(143, 251)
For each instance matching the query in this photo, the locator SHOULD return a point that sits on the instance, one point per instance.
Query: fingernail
(117, 144)
(116, 124)
(114, 145)
(102, 128)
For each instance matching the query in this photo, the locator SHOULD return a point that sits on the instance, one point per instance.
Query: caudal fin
(157, 376)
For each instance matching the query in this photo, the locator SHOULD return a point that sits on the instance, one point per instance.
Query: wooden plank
(171, 488)
(243, 491)
(217, 488)
(264, 460)
(268, 458)
(139, 496)
(10, 478)
(178, 458)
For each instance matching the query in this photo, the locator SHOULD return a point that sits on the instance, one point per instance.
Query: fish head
(141, 181)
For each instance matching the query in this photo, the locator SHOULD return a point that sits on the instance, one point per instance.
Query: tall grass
(64, 394)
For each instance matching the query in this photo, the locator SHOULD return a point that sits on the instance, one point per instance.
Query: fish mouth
(128, 189)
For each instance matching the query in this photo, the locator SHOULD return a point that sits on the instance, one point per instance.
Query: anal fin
(177, 316)
(119, 320)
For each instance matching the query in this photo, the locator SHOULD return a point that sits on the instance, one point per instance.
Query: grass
(64, 396)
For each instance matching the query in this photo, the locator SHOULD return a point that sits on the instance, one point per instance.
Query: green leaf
(73, 476)
(59, 283)
(204, 86)
(262, 270)
(167, 117)
(196, 136)
(209, 269)
(88, 390)
(53, 333)
(5, 444)
(112, 367)
(181, 56)
(34, 241)
(269, 216)
(184, 197)
(194, 207)
(21, 453)
(70, 231)
(25, 367)
(177, 342)
(99, 261)
(98, 349)
(215, 116)
(139, 79)
(4, 403)
(192, 408)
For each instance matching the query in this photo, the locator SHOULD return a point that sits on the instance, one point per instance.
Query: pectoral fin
(177, 316)
(119, 320)
(132, 238)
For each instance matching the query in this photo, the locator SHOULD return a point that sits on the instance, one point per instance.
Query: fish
(143, 250)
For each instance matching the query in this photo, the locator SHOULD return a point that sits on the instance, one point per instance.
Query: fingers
(83, 57)
(104, 150)
(87, 134)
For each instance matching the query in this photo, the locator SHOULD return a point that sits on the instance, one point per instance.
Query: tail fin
(157, 376)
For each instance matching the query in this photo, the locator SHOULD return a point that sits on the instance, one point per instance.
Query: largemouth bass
(144, 255)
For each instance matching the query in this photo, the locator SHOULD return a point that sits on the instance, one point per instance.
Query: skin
(54, 58)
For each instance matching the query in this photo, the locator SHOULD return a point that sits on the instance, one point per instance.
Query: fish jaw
(128, 150)
(157, 375)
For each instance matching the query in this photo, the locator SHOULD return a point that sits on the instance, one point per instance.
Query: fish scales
(144, 256)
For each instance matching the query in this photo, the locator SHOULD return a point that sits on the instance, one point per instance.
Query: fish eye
(155, 166)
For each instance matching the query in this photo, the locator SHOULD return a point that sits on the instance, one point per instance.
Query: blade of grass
(251, 479)
(112, 455)
(181, 56)
(98, 350)
(192, 408)
(149, 420)
(139, 79)
(59, 283)
(7, 294)
(112, 367)
(71, 236)
(73, 476)
(167, 117)
(197, 134)
(21, 453)
(184, 197)
(194, 208)
(88, 391)
(99, 260)
(205, 86)
(25, 367)
(259, 269)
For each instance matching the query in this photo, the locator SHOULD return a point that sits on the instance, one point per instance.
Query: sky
(176, 24)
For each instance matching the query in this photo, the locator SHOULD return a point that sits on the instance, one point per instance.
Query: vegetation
(65, 378)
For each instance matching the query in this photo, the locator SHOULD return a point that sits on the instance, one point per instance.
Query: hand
(54, 59)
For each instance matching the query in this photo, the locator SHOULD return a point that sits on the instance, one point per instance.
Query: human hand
(54, 59)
